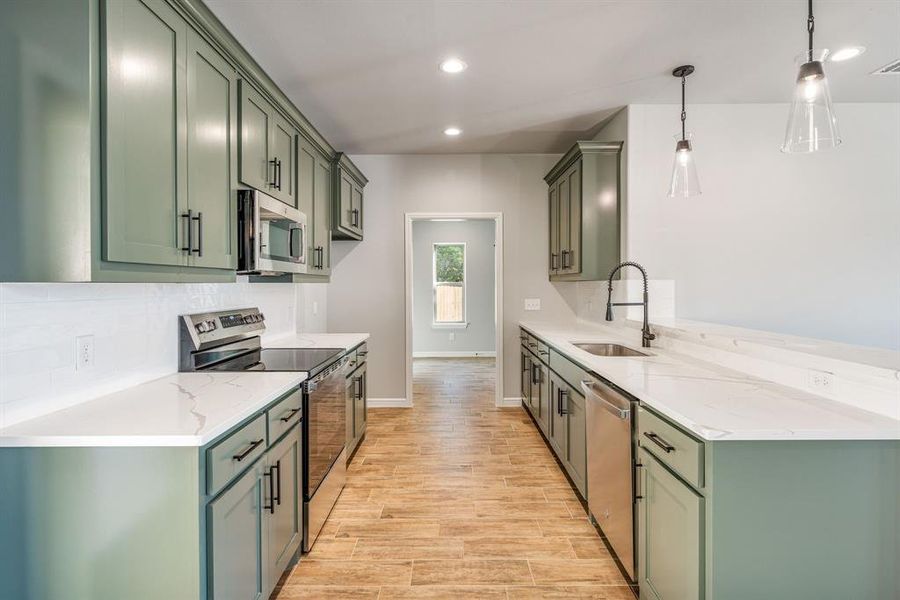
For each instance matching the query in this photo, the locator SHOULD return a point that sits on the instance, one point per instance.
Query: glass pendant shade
(811, 124)
(685, 183)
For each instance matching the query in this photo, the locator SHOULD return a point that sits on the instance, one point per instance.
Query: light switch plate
(532, 304)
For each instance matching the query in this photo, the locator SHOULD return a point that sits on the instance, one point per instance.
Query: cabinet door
(346, 199)
(322, 217)
(574, 225)
(255, 119)
(534, 399)
(144, 144)
(350, 402)
(554, 229)
(284, 518)
(556, 422)
(359, 408)
(564, 220)
(544, 401)
(211, 142)
(236, 560)
(576, 440)
(357, 208)
(283, 160)
(306, 190)
(526, 379)
(670, 517)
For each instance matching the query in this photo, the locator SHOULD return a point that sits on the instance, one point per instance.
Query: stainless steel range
(230, 341)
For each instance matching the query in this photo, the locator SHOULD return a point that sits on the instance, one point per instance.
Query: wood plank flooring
(455, 499)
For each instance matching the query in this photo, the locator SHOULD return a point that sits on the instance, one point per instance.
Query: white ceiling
(542, 73)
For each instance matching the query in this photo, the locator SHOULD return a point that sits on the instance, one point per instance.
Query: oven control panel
(204, 328)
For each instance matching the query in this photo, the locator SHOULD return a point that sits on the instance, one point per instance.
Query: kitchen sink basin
(609, 349)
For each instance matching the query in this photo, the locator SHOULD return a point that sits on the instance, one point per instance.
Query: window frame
(434, 284)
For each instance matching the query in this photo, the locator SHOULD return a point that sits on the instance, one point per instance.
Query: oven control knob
(201, 327)
(248, 319)
(262, 317)
(211, 325)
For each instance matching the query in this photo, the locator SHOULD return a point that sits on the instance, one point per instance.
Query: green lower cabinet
(526, 379)
(236, 562)
(556, 420)
(576, 439)
(670, 522)
(284, 518)
(544, 401)
(357, 404)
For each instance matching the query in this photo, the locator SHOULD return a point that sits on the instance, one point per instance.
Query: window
(449, 284)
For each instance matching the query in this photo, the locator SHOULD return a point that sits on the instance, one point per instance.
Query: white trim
(497, 217)
(456, 354)
(511, 403)
(450, 325)
(388, 403)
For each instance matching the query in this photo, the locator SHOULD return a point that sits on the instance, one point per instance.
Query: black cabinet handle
(199, 249)
(563, 395)
(279, 175)
(354, 217)
(246, 453)
(277, 497)
(189, 215)
(654, 437)
(274, 182)
(553, 261)
(271, 505)
(289, 415)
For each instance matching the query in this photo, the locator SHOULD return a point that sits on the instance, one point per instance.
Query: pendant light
(811, 124)
(684, 173)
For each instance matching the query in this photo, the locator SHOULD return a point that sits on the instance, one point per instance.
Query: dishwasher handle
(590, 391)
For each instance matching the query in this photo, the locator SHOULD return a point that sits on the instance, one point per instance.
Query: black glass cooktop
(309, 360)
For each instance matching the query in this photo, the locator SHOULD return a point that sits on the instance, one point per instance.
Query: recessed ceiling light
(452, 131)
(847, 53)
(453, 65)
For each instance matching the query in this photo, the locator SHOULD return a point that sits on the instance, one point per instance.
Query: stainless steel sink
(609, 349)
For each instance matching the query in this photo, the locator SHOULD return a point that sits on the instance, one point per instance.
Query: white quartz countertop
(347, 341)
(714, 402)
(183, 409)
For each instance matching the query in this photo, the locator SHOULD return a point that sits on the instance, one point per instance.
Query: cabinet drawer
(674, 448)
(569, 371)
(285, 414)
(232, 455)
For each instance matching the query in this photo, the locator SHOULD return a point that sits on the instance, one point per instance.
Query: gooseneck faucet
(646, 335)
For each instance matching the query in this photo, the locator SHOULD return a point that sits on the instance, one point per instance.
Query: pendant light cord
(810, 27)
(683, 112)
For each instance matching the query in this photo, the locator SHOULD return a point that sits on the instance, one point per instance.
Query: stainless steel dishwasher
(610, 467)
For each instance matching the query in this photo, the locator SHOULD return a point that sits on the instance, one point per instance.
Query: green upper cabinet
(267, 149)
(212, 160)
(322, 209)
(583, 198)
(307, 157)
(145, 134)
(348, 202)
(170, 126)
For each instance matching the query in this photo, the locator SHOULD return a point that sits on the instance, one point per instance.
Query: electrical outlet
(532, 304)
(84, 352)
(820, 381)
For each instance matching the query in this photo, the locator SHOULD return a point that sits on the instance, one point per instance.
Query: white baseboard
(455, 354)
(388, 403)
(511, 402)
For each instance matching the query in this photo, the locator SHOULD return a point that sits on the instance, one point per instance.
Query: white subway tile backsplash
(135, 330)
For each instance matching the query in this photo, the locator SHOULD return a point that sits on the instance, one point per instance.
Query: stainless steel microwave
(271, 235)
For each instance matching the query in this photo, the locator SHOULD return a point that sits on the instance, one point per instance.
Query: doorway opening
(454, 315)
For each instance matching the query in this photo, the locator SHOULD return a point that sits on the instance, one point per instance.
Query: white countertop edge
(141, 440)
(347, 341)
(706, 433)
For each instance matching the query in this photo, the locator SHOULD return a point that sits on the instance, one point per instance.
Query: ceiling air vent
(892, 68)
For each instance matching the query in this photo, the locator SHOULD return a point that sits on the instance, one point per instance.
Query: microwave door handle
(295, 244)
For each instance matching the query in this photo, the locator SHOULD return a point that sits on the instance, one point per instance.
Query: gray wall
(807, 245)
(479, 336)
(367, 290)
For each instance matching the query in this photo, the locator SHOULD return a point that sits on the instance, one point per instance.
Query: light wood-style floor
(455, 498)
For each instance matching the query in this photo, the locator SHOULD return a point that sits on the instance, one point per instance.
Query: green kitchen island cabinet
(741, 520)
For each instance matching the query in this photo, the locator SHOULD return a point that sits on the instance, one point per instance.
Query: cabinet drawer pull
(246, 453)
(290, 415)
(654, 437)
